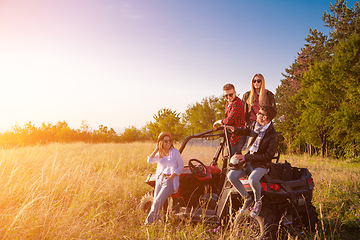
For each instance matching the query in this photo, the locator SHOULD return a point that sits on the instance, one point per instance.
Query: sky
(118, 62)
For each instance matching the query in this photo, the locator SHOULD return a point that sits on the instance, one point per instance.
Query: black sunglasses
(229, 95)
(167, 141)
(257, 80)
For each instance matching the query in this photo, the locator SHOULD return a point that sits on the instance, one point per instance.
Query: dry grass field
(92, 191)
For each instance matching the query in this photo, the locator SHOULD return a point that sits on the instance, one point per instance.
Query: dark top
(267, 147)
(270, 100)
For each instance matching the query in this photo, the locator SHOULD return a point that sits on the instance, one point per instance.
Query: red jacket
(234, 116)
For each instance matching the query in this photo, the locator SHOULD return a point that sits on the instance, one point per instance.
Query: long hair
(161, 136)
(262, 97)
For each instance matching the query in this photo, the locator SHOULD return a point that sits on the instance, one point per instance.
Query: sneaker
(247, 203)
(256, 210)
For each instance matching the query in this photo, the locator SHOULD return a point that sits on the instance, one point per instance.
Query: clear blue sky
(117, 62)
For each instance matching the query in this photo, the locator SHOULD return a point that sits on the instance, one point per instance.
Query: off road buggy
(206, 195)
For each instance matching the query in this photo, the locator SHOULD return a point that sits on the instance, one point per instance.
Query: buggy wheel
(263, 226)
(312, 218)
(147, 201)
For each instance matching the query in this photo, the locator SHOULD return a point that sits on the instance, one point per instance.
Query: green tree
(8, 139)
(346, 71)
(289, 113)
(131, 134)
(64, 133)
(26, 135)
(329, 101)
(317, 102)
(342, 21)
(200, 117)
(85, 131)
(166, 120)
(47, 133)
(103, 134)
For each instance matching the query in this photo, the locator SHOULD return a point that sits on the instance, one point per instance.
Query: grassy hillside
(91, 191)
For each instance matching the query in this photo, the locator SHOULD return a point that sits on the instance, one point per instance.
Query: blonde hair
(161, 136)
(252, 97)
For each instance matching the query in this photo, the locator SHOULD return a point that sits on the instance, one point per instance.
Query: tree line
(318, 101)
(29, 134)
(319, 97)
(198, 117)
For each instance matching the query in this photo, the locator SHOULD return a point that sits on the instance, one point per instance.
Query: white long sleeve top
(169, 165)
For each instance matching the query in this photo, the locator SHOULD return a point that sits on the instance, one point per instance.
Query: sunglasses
(229, 95)
(256, 80)
(167, 141)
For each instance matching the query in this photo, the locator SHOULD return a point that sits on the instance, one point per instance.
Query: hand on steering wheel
(198, 168)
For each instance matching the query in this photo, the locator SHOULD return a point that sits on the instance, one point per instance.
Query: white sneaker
(256, 210)
(247, 203)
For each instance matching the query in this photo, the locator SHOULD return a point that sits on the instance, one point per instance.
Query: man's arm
(241, 131)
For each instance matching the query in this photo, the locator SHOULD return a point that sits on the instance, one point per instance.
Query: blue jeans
(254, 180)
(163, 190)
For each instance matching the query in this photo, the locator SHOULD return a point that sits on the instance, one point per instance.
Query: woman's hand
(171, 177)
(155, 151)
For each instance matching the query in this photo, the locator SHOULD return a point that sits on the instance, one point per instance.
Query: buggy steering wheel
(198, 168)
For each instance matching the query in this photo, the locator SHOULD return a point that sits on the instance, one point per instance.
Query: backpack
(281, 171)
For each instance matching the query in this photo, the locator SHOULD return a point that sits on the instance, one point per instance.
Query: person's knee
(156, 204)
(231, 176)
(253, 181)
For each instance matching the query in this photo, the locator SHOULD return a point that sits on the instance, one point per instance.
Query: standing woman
(169, 167)
(256, 97)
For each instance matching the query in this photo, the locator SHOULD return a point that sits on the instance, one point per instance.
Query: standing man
(263, 144)
(234, 116)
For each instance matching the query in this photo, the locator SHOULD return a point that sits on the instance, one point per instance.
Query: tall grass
(70, 191)
(92, 191)
(336, 194)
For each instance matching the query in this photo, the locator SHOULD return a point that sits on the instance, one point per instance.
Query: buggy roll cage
(226, 138)
(210, 134)
(225, 142)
